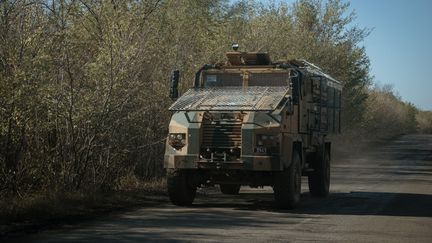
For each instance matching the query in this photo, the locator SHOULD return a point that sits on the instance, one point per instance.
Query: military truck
(253, 122)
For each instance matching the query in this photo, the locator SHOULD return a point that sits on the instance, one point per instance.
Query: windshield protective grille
(231, 99)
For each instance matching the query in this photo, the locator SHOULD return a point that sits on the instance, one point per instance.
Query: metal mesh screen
(231, 98)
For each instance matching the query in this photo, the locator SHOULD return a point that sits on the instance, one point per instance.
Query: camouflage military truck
(253, 122)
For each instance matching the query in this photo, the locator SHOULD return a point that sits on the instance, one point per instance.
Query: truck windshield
(267, 79)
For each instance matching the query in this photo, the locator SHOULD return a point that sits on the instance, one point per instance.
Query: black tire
(180, 190)
(287, 185)
(230, 189)
(319, 179)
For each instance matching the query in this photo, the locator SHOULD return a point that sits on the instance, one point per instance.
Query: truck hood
(254, 98)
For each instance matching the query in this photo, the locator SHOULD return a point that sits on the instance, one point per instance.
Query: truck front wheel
(229, 189)
(287, 185)
(180, 189)
(319, 179)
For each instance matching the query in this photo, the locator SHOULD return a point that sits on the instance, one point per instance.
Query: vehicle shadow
(214, 213)
(352, 203)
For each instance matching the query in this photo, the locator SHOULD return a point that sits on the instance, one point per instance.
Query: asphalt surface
(382, 195)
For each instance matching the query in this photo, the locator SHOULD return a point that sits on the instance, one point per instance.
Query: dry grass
(40, 210)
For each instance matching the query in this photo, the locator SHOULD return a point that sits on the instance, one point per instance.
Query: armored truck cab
(253, 122)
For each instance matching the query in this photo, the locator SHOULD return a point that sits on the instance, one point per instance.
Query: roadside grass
(37, 211)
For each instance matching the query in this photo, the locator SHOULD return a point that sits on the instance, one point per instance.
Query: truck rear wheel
(229, 189)
(180, 190)
(287, 186)
(319, 179)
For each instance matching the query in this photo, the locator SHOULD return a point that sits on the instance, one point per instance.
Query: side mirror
(175, 78)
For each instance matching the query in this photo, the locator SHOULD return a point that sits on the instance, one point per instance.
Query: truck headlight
(267, 143)
(263, 139)
(177, 140)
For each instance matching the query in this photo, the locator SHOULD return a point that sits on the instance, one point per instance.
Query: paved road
(380, 196)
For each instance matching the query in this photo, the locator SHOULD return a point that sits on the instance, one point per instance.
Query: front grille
(221, 134)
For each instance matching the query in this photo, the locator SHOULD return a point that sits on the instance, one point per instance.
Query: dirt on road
(381, 195)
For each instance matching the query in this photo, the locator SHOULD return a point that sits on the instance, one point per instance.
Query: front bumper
(252, 163)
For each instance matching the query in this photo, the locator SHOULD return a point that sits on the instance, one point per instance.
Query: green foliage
(424, 121)
(387, 115)
(83, 84)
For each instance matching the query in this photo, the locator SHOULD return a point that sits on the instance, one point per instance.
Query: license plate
(261, 150)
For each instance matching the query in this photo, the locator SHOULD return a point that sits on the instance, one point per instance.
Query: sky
(399, 46)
